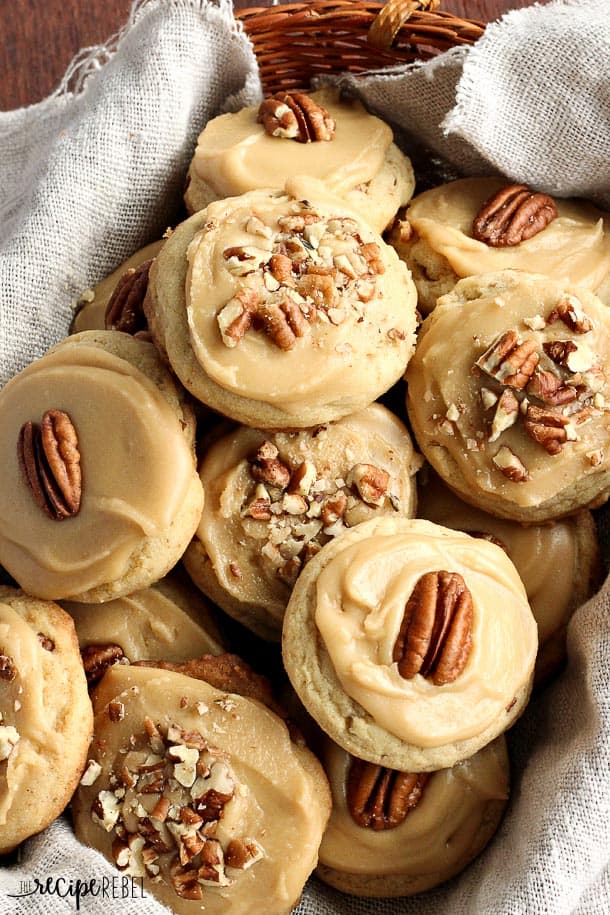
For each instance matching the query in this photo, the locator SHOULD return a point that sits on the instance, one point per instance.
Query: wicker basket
(295, 42)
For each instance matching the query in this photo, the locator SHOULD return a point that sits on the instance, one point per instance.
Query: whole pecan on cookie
(379, 798)
(296, 116)
(435, 637)
(49, 460)
(546, 427)
(514, 214)
(125, 308)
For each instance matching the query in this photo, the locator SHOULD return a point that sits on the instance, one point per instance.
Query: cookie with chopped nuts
(411, 645)
(509, 395)
(99, 494)
(482, 225)
(317, 134)
(170, 621)
(558, 561)
(45, 715)
(282, 309)
(274, 499)
(183, 792)
(395, 833)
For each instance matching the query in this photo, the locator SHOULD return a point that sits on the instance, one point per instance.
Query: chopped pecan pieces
(514, 214)
(49, 460)
(510, 465)
(266, 466)
(546, 427)
(235, 318)
(550, 388)
(125, 308)
(370, 481)
(8, 671)
(509, 360)
(47, 643)
(380, 798)
(569, 310)
(296, 116)
(435, 637)
(559, 351)
(506, 414)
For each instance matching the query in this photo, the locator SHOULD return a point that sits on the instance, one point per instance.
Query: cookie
(398, 833)
(558, 562)
(183, 792)
(169, 621)
(92, 305)
(46, 719)
(411, 645)
(250, 149)
(290, 281)
(508, 395)
(99, 494)
(442, 241)
(273, 499)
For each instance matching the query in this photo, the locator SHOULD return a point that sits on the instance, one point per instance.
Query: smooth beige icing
(545, 555)
(235, 154)
(234, 541)
(441, 374)
(331, 362)
(361, 596)
(573, 248)
(435, 837)
(276, 800)
(136, 467)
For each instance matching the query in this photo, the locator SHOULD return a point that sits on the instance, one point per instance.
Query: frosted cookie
(398, 833)
(124, 289)
(411, 645)
(292, 134)
(558, 562)
(272, 500)
(200, 792)
(508, 395)
(45, 715)
(99, 494)
(289, 281)
(482, 225)
(168, 621)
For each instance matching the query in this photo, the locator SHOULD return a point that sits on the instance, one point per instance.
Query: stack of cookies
(204, 467)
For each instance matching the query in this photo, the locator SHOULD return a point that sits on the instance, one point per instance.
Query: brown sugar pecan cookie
(273, 499)
(509, 395)
(411, 645)
(282, 309)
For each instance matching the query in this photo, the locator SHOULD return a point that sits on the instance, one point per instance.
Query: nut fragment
(296, 116)
(435, 637)
(98, 658)
(125, 308)
(266, 466)
(509, 360)
(569, 310)
(370, 481)
(380, 798)
(8, 671)
(49, 460)
(505, 416)
(546, 427)
(549, 387)
(514, 214)
(510, 465)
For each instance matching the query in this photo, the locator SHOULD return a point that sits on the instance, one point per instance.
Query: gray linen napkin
(95, 171)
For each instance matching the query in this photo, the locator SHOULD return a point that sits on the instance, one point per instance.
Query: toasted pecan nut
(546, 427)
(491, 538)
(380, 798)
(569, 311)
(509, 360)
(435, 637)
(49, 460)
(510, 465)
(296, 116)
(8, 671)
(125, 308)
(550, 388)
(266, 467)
(98, 658)
(514, 214)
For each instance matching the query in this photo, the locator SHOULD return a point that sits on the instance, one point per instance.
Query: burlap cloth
(94, 172)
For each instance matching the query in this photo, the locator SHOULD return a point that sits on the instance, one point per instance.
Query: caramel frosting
(235, 154)
(300, 255)
(361, 595)
(136, 469)
(234, 818)
(574, 248)
(545, 555)
(437, 837)
(259, 530)
(518, 457)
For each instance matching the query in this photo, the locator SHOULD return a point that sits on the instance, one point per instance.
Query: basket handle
(390, 19)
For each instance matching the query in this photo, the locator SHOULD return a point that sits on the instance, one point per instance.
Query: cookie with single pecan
(482, 225)
(508, 395)
(411, 645)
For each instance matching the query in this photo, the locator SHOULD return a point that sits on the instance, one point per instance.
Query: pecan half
(125, 308)
(435, 636)
(49, 460)
(296, 116)
(514, 214)
(546, 427)
(380, 798)
(98, 658)
(549, 387)
(510, 360)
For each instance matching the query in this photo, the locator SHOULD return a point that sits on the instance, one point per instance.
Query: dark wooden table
(38, 40)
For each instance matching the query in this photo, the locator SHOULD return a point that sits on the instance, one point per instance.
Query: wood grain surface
(38, 40)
